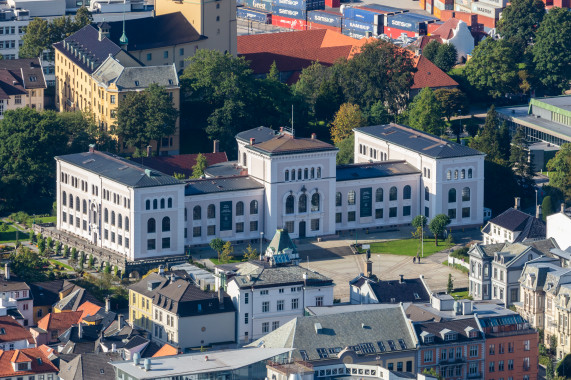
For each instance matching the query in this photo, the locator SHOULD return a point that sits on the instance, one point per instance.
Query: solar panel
(367, 348)
(304, 355)
(381, 346)
(402, 344)
(322, 352)
(392, 345)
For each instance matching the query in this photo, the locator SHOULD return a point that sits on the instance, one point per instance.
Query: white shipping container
(486, 10)
(496, 3)
(439, 4)
(461, 8)
(429, 8)
(465, 3)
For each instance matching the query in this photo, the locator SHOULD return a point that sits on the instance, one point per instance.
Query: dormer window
(473, 334)
(2, 331)
(22, 366)
(450, 336)
(137, 83)
(33, 78)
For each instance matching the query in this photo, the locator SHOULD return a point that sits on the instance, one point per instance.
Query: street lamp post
(261, 242)
(535, 200)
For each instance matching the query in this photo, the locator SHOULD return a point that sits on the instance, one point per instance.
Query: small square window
(166, 54)
(149, 56)
(151, 244)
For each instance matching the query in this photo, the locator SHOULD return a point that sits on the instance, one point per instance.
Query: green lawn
(234, 259)
(10, 235)
(44, 219)
(461, 295)
(61, 264)
(457, 266)
(407, 247)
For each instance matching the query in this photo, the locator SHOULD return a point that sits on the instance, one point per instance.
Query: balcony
(452, 361)
(475, 376)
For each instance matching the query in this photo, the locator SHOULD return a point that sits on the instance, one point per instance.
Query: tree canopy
(446, 57)
(425, 114)
(519, 22)
(560, 166)
(348, 117)
(28, 265)
(437, 225)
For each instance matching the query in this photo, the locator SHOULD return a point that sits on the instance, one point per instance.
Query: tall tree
(487, 140)
(348, 117)
(36, 39)
(437, 225)
(560, 166)
(425, 113)
(519, 156)
(446, 57)
(131, 118)
(199, 166)
(28, 265)
(546, 208)
(346, 150)
(453, 101)
(377, 114)
(430, 51)
(493, 67)
(519, 22)
(551, 50)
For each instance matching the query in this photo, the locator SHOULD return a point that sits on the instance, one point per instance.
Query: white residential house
(559, 227)
(514, 226)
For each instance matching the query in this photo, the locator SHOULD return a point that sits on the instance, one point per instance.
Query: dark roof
(90, 366)
(75, 299)
(86, 41)
(261, 134)
(518, 221)
(225, 169)
(47, 293)
(218, 185)
(374, 170)
(118, 169)
(458, 326)
(181, 163)
(135, 341)
(143, 286)
(18, 75)
(155, 32)
(285, 143)
(395, 291)
(418, 141)
(12, 284)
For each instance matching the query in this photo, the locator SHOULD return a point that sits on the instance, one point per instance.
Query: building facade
(558, 227)
(22, 84)
(514, 226)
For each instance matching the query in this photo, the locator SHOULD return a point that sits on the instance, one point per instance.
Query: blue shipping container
(325, 18)
(300, 4)
(254, 15)
(297, 14)
(360, 27)
(384, 8)
(353, 33)
(259, 4)
(362, 15)
(403, 23)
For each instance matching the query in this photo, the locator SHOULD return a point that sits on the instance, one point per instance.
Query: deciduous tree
(227, 252)
(519, 156)
(28, 265)
(546, 208)
(348, 117)
(250, 253)
(199, 166)
(519, 22)
(430, 51)
(425, 113)
(446, 57)
(437, 225)
(346, 150)
(560, 170)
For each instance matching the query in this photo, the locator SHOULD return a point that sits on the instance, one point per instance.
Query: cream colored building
(22, 84)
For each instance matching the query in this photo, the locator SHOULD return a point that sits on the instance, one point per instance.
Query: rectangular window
(112, 237)
(319, 301)
(492, 349)
(465, 212)
(266, 327)
(246, 318)
(510, 347)
(338, 217)
(501, 365)
(246, 298)
(473, 351)
(452, 213)
(166, 54)
(85, 225)
(315, 224)
(196, 231)
(275, 325)
(351, 215)
(289, 227)
(64, 217)
(295, 303)
(211, 230)
(106, 234)
(266, 307)
(150, 244)
(392, 212)
(126, 242)
(166, 243)
(239, 227)
(491, 367)
(399, 366)
(379, 213)
(427, 356)
(473, 368)
(254, 225)
(443, 354)
(119, 239)
(181, 51)
(280, 305)
(264, 292)
(406, 211)
(510, 365)
(112, 99)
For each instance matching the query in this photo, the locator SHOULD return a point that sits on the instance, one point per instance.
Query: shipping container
(461, 8)
(464, 3)
(301, 4)
(495, 3)
(314, 25)
(360, 27)
(562, 3)
(290, 23)
(437, 12)
(259, 4)
(355, 34)
(438, 5)
(334, 20)
(429, 8)
(396, 32)
(486, 10)
(333, 3)
(383, 8)
(422, 4)
(487, 22)
(362, 15)
(445, 15)
(298, 14)
(409, 22)
(469, 18)
(254, 15)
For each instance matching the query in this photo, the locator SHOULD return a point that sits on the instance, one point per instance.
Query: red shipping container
(562, 3)
(548, 2)
(488, 22)
(395, 33)
(469, 18)
(290, 23)
(446, 15)
(314, 25)
(333, 3)
(432, 27)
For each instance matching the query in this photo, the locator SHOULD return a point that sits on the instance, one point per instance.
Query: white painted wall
(559, 228)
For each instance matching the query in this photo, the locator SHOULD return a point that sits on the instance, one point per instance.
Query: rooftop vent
(318, 328)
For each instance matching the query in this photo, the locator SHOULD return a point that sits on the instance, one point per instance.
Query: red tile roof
(429, 75)
(182, 163)
(88, 308)
(13, 331)
(40, 363)
(60, 321)
(166, 350)
(446, 30)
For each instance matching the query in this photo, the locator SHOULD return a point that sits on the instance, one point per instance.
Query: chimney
(113, 347)
(281, 129)
(216, 146)
(538, 212)
(252, 141)
(517, 205)
(401, 281)
(149, 150)
(161, 270)
(6, 271)
(103, 31)
(563, 208)
(305, 278)
(107, 304)
(80, 331)
(119, 321)
(313, 136)
(220, 298)
(91, 148)
(369, 265)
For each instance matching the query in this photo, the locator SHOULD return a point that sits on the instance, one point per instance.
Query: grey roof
(354, 172)
(563, 102)
(458, 326)
(322, 337)
(74, 299)
(143, 286)
(135, 78)
(118, 169)
(518, 221)
(219, 185)
(260, 134)
(90, 366)
(259, 274)
(418, 141)
(520, 115)
(225, 169)
(395, 291)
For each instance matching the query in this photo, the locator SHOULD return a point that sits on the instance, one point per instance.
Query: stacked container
(322, 19)
(254, 15)
(365, 21)
(411, 24)
(442, 5)
(293, 13)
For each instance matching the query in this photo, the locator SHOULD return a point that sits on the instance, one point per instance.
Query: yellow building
(141, 300)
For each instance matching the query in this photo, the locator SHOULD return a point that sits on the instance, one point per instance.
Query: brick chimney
(517, 205)
(216, 146)
(252, 141)
(313, 136)
(369, 268)
(91, 148)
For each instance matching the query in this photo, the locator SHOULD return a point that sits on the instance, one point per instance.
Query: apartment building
(141, 296)
(514, 226)
(16, 299)
(22, 84)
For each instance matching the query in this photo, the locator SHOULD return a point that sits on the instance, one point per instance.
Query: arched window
(162, 203)
(455, 174)
(351, 197)
(151, 226)
(166, 224)
(306, 173)
(169, 203)
(315, 202)
(253, 207)
(155, 204)
(448, 175)
(70, 201)
(106, 216)
(406, 192)
(451, 195)
(148, 204)
(290, 201)
(239, 208)
(112, 218)
(287, 175)
(77, 205)
(211, 212)
(318, 172)
(312, 173)
(338, 199)
(244, 159)
(469, 173)
(302, 203)
(196, 213)
(293, 174)
(119, 221)
(465, 194)
(379, 195)
(462, 173)
(126, 223)
(393, 194)
(64, 198)
(299, 177)
(84, 206)
(426, 194)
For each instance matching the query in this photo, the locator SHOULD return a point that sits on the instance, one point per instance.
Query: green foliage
(199, 166)
(146, 115)
(446, 57)
(226, 253)
(419, 221)
(553, 344)
(107, 269)
(450, 284)
(346, 150)
(65, 251)
(472, 126)
(551, 52)
(28, 265)
(377, 114)
(348, 117)
(432, 372)
(431, 50)
(488, 138)
(453, 101)
(425, 114)
(564, 366)
(179, 176)
(42, 246)
(519, 156)
(74, 253)
(217, 245)
(520, 21)
(50, 242)
(546, 208)
(274, 73)
(250, 253)
(493, 68)
(437, 225)
(560, 166)
(91, 261)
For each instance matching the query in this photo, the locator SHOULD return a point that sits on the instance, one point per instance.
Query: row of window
(155, 203)
(452, 195)
(119, 241)
(501, 366)
(465, 213)
(372, 153)
(152, 244)
(116, 219)
(501, 346)
(211, 210)
(302, 203)
(313, 225)
(379, 214)
(461, 173)
(302, 174)
(379, 195)
(280, 304)
(211, 230)
(152, 225)
(266, 326)
(165, 54)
